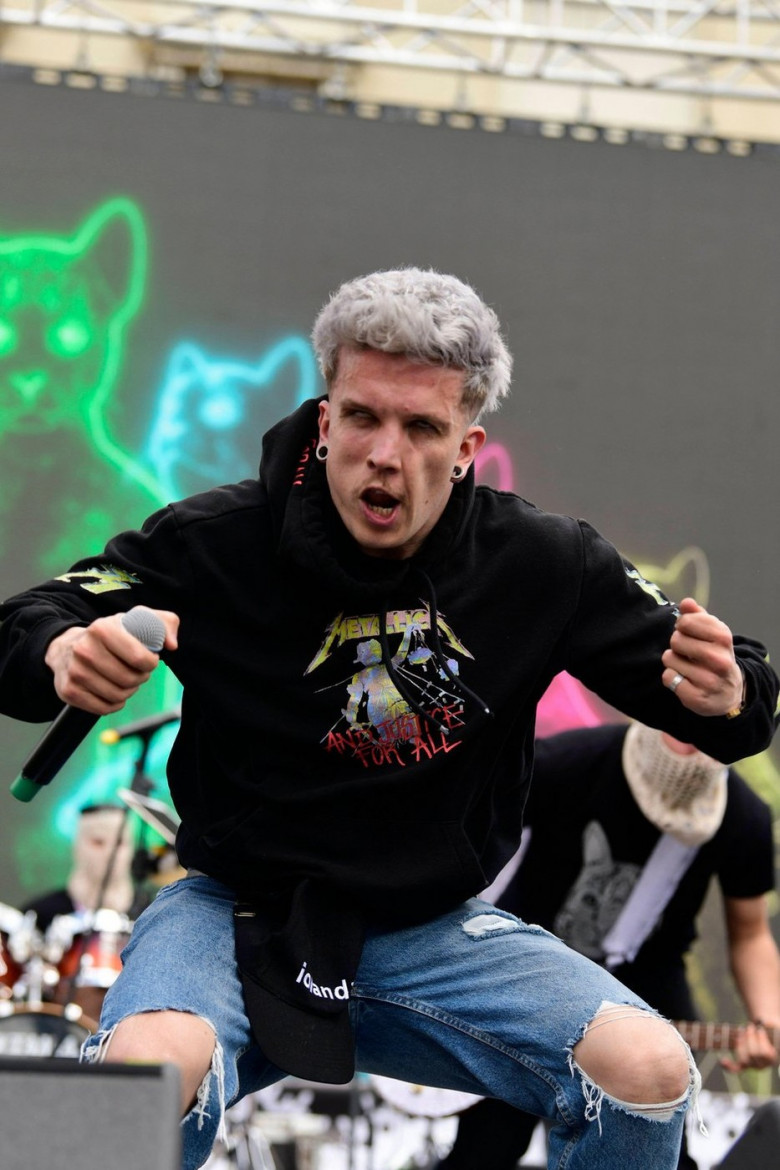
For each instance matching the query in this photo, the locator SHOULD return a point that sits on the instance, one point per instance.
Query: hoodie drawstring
(439, 657)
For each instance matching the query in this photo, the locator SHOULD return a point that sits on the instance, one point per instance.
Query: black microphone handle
(72, 725)
(64, 735)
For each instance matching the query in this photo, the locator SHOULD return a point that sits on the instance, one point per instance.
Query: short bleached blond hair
(427, 316)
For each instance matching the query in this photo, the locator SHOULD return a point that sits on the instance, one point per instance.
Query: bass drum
(421, 1100)
(44, 1030)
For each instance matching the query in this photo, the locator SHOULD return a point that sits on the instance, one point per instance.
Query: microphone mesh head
(146, 626)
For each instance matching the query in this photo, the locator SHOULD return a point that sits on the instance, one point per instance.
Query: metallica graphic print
(400, 705)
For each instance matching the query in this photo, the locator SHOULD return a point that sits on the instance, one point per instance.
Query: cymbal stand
(140, 783)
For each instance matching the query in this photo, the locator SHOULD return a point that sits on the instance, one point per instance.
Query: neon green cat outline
(29, 256)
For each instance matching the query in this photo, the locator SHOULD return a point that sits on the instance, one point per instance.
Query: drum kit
(53, 981)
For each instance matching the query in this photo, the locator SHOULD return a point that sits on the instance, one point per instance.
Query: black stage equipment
(757, 1147)
(56, 1113)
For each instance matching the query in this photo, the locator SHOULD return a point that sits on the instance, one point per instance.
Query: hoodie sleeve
(621, 628)
(145, 567)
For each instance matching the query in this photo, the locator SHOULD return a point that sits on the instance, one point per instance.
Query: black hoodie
(362, 722)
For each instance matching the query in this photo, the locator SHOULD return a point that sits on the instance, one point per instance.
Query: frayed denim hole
(95, 1048)
(485, 925)
(594, 1095)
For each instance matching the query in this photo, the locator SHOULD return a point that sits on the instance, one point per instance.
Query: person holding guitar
(625, 829)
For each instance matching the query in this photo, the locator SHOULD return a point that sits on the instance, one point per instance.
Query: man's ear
(471, 444)
(324, 420)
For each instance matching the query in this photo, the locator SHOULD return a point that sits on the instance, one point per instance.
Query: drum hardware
(72, 963)
(294, 1139)
(10, 922)
(37, 981)
(86, 947)
(64, 972)
(256, 1141)
(152, 812)
(10, 918)
(24, 938)
(311, 1126)
(77, 958)
(41, 1014)
(43, 1030)
(25, 968)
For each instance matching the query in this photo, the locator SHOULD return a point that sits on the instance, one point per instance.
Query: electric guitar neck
(704, 1037)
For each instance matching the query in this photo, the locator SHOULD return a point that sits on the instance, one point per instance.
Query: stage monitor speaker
(757, 1148)
(57, 1114)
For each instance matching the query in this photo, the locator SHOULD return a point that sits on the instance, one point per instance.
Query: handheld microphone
(143, 727)
(72, 725)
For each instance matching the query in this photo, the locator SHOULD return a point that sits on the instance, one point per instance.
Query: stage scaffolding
(713, 48)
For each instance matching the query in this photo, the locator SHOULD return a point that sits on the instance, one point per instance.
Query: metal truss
(716, 48)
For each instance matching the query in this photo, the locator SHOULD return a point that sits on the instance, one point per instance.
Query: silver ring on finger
(674, 684)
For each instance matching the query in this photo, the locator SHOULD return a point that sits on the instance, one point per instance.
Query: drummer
(101, 877)
(85, 924)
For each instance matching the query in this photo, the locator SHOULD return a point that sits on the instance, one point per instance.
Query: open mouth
(379, 502)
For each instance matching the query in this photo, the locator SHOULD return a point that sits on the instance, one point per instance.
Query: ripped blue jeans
(475, 1000)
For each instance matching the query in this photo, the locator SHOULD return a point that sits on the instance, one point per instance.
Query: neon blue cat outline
(190, 366)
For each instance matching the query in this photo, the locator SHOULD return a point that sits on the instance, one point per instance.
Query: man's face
(95, 842)
(394, 431)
